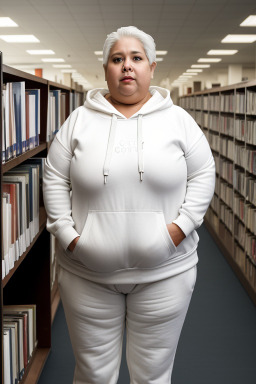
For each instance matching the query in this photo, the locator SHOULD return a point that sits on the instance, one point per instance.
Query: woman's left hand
(176, 233)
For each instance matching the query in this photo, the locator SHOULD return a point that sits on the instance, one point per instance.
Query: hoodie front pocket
(112, 241)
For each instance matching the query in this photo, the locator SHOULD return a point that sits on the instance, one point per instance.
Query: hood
(160, 100)
(96, 101)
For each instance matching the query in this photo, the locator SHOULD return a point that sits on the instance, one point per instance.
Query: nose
(127, 66)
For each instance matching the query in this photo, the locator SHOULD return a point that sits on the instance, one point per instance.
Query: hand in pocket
(72, 245)
(175, 233)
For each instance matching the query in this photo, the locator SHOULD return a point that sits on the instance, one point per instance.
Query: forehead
(127, 44)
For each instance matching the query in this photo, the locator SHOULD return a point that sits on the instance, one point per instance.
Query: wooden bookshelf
(29, 281)
(227, 116)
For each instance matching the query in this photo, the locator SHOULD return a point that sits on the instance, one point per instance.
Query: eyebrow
(121, 53)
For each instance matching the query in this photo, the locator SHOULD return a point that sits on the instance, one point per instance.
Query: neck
(116, 103)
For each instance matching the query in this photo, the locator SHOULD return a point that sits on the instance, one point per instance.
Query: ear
(152, 69)
(105, 71)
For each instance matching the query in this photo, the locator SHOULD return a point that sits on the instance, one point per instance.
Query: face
(129, 85)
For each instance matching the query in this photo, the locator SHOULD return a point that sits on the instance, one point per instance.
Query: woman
(142, 176)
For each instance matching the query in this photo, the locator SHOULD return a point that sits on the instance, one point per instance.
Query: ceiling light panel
(239, 39)
(222, 52)
(205, 60)
(19, 38)
(250, 21)
(200, 66)
(194, 70)
(61, 66)
(48, 60)
(40, 52)
(6, 22)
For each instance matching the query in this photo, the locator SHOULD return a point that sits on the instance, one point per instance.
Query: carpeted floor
(218, 340)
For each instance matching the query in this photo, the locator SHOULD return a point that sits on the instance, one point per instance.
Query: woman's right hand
(72, 245)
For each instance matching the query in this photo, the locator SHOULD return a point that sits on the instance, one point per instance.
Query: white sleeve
(200, 178)
(56, 185)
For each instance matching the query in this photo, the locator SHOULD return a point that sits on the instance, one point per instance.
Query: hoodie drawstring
(111, 142)
(140, 143)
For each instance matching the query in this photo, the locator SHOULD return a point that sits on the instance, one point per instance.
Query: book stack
(251, 102)
(20, 205)
(227, 125)
(20, 340)
(56, 112)
(240, 102)
(21, 119)
(239, 129)
(251, 132)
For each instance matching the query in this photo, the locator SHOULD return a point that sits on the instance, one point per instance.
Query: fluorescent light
(7, 22)
(203, 60)
(161, 52)
(98, 53)
(222, 52)
(19, 38)
(239, 39)
(200, 66)
(40, 52)
(250, 21)
(187, 74)
(100, 58)
(159, 59)
(53, 60)
(61, 66)
(194, 70)
(68, 70)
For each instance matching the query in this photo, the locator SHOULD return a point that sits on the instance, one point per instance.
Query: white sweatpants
(97, 313)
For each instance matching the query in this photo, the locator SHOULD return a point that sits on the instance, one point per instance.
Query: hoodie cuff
(185, 224)
(66, 235)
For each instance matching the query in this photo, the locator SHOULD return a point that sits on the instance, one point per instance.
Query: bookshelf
(227, 116)
(29, 280)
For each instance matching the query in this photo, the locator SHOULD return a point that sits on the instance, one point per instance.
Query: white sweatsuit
(129, 178)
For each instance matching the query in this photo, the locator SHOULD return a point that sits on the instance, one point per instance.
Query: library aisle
(217, 344)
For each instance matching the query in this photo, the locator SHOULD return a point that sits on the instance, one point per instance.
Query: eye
(117, 60)
(137, 58)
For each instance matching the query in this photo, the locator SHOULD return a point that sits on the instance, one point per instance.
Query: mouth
(127, 79)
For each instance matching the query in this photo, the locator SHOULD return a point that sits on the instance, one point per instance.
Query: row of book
(250, 246)
(239, 232)
(239, 257)
(226, 215)
(214, 141)
(227, 148)
(251, 132)
(19, 340)
(57, 112)
(21, 119)
(225, 169)
(240, 155)
(251, 102)
(239, 207)
(198, 117)
(250, 189)
(239, 102)
(250, 218)
(226, 194)
(214, 203)
(20, 206)
(217, 186)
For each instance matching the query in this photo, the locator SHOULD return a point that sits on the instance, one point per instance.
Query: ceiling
(74, 29)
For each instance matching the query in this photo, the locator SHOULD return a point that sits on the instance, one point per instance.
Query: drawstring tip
(105, 179)
(141, 176)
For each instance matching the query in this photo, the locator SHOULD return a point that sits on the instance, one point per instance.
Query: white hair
(146, 40)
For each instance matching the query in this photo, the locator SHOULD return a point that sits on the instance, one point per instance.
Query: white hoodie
(129, 178)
